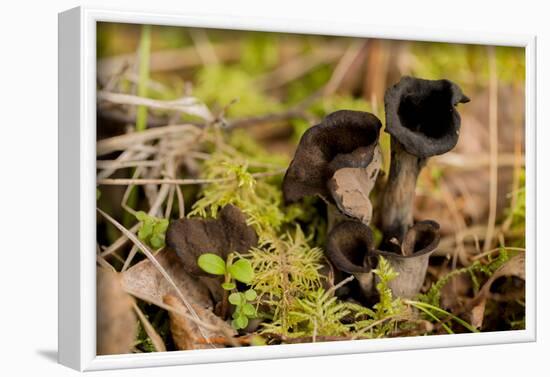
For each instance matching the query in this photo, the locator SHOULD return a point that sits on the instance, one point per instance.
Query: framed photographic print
(237, 189)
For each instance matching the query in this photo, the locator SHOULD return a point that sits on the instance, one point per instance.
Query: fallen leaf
(185, 330)
(144, 281)
(116, 321)
(515, 267)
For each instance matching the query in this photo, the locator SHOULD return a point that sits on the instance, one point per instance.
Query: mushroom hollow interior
(421, 115)
(349, 247)
(429, 112)
(422, 238)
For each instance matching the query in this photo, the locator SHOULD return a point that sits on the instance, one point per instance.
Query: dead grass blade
(187, 105)
(126, 141)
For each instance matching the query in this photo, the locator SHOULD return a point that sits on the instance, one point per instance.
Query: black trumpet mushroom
(338, 160)
(422, 119)
(410, 259)
(350, 248)
(191, 238)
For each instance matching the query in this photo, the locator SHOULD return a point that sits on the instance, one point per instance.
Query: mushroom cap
(411, 262)
(421, 239)
(421, 115)
(191, 238)
(349, 247)
(344, 138)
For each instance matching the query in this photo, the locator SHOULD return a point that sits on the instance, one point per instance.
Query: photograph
(260, 188)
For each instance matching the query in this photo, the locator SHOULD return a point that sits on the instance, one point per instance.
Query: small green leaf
(240, 322)
(236, 298)
(249, 310)
(242, 271)
(250, 295)
(229, 286)
(157, 241)
(145, 231)
(141, 216)
(236, 313)
(212, 264)
(161, 226)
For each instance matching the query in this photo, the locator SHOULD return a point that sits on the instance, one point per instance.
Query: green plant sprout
(232, 271)
(244, 310)
(152, 230)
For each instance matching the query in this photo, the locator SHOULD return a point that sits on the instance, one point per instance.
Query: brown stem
(225, 302)
(398, 197)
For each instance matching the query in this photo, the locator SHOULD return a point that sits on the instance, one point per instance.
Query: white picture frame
(77, 194)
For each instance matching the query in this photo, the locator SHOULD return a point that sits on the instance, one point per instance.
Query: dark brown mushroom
(191, 238)
(350, 247)
(422, 120)
(338, 160)
(410, 259)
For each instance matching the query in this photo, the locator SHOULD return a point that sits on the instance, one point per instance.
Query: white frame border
(77, 214)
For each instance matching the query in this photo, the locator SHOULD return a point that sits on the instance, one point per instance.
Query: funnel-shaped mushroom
(410, 259)
(350, 248)
(338, 160)
(191, 238)
(422, 121)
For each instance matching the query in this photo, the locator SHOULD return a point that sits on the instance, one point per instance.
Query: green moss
(221, 86)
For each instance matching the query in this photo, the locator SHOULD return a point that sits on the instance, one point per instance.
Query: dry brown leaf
(116, 321)
(351, 187)
(144, 281)
(515, 267)
(185, 331)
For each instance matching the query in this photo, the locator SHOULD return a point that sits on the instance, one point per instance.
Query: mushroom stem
(399, 192)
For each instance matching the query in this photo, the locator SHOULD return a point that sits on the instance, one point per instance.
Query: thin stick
(115, 164)
(170, 203)
(155, 263)
(489, 252)
(188, 105)
(129, 258)
(124, 156)
(171, 167)
(119, 242)
(128, 191)
(493, 138)
(123, 142)
(333, 289)
(343, 66)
